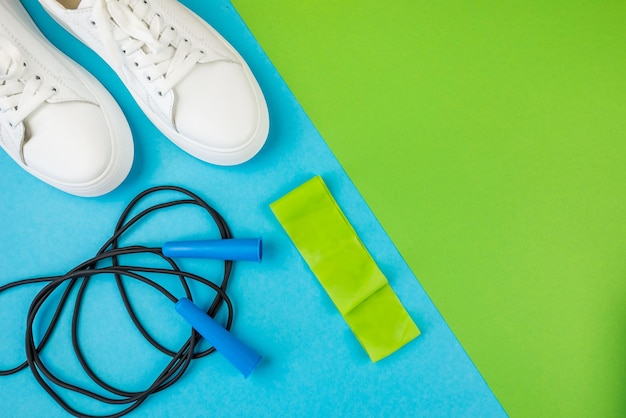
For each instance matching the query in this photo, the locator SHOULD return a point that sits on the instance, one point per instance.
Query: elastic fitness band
(332, 249)
(107, 262)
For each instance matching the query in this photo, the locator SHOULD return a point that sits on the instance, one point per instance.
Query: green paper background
(489, 139)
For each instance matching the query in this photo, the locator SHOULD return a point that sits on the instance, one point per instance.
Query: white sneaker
(188, 80)
(56, 120)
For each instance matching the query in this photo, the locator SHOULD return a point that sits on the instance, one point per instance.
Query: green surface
(345, 269)
(489, 138)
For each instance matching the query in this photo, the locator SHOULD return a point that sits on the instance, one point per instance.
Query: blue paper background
(313, 365)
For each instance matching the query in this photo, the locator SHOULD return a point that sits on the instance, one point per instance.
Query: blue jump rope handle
(240, 355)
(249, 249)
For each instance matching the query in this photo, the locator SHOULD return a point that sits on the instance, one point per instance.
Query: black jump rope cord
(79, 278)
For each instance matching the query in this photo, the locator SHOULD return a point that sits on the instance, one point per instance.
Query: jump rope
(73, 285)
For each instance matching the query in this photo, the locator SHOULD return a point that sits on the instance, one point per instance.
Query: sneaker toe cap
(220, 107)
(69, 143)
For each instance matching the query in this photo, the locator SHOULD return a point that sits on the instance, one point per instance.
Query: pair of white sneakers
(61, 125)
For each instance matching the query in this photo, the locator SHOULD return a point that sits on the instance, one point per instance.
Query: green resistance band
(333, 251)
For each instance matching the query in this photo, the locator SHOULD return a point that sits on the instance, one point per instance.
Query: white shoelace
(24, 96)
(124, 28)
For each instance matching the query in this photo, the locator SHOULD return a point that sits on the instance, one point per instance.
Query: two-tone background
(484, 152)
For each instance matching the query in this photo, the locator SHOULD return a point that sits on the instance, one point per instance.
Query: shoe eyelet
(93, 23)
(136, 64)
(54, 89)
(148, 78)
(160, 93)
(37, 77)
